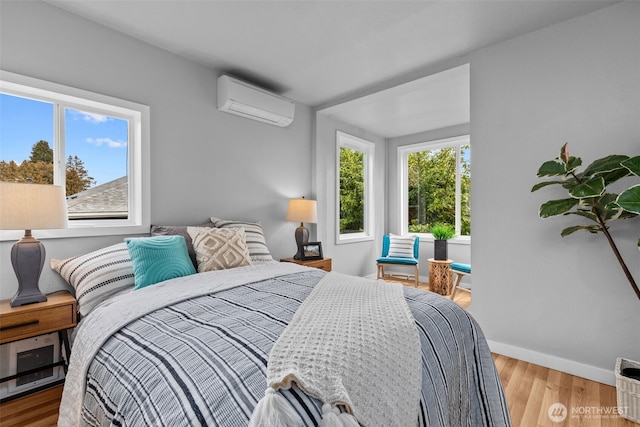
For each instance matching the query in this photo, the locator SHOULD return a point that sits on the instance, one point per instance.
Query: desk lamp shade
(27, 206)
(302, 210)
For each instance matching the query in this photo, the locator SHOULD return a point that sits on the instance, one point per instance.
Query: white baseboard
(558, 363)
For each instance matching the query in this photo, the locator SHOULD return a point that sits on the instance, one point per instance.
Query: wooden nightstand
(57, 314)
(322, 264)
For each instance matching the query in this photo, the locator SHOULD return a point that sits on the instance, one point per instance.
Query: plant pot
(628, 389)
(440, 250)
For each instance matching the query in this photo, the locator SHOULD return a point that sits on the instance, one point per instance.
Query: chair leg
(417, 276)
(380, 274)
(455, 286)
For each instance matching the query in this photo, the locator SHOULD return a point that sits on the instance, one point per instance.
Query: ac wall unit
(247, 100)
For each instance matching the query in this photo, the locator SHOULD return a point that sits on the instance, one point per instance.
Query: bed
(193, 350)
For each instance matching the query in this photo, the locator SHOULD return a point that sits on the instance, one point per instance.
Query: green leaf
(544, 184)
(586, 214)
(574, 163)
(571, 182)
(589, 228)
(591, 188)
(551, 168)
(613, 176)
(605, 164)
(612, 214)
(556, 207)
(628, 215)
(607, 202)
(609, 209)
(629, 199)
(633, 165)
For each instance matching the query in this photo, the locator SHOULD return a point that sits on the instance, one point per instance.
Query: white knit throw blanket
(352, 344)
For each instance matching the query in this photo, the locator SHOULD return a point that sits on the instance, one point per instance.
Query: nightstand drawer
(322, 264)
(36, 322)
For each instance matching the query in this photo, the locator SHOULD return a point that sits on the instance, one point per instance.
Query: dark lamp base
(27, 258)
(23, 299)
(302, 236)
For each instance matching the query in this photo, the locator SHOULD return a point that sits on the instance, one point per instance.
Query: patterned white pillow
(98, 275)
(401, 246)
(256, 242)
(219, 248)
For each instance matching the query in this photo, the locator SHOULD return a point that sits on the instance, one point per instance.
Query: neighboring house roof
(109, 200)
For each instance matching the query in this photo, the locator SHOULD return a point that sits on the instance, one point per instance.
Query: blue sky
(99, 141)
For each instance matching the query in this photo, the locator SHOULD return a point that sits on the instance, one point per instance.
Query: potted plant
(589, 198)
(441, 233)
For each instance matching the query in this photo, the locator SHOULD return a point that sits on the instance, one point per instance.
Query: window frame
(403, 181)
(61, 96)
(355, 143)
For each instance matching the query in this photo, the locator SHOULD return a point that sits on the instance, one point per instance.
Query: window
(90, 144)
(355, 188)
(435, 185)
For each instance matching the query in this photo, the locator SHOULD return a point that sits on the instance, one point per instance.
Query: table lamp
(28, 206)
(301, 210)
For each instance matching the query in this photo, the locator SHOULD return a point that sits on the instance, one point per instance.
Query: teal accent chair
(459, 270)
(386, 260)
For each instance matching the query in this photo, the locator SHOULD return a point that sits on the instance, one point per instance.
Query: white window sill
(460, 240)
(14, 235)
(353, 238)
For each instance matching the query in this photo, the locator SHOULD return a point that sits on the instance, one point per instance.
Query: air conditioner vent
(246, 100)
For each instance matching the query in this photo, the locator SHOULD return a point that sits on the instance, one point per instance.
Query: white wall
(203, 162)
(560, 302)
(357, 258)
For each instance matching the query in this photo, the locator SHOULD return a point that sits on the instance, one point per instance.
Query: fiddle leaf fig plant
(589, 198)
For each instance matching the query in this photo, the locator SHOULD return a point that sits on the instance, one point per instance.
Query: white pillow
(219, 248)
(256, 242)
(401, 246)
(98, 275)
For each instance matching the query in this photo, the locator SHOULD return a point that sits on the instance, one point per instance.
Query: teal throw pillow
(159, 258)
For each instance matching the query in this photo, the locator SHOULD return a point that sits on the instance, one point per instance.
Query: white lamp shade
(302, 210)
(27, 206)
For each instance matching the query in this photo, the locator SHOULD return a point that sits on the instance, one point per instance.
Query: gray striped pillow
(401, 246)
(98, 275)
(258, 250)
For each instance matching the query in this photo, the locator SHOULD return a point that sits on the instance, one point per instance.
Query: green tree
(41, 152)
(432, 189)
(78, 178)
(351, 190)
(39, 168)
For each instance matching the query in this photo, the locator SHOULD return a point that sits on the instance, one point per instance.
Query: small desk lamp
(27, 206)
(302, 210)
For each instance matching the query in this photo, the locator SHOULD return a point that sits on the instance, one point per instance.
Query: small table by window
(440, 276)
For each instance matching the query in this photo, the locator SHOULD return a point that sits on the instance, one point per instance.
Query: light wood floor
(530, 390)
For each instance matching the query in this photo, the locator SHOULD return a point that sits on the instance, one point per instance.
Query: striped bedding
(202, 361)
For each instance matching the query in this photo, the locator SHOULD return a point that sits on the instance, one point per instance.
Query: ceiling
(320, 52)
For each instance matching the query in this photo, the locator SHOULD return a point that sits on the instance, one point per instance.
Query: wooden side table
(440, 276)
(57, 314)
(322, 264)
